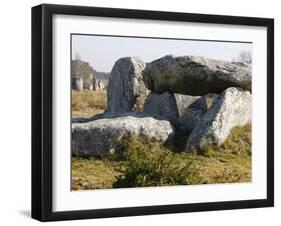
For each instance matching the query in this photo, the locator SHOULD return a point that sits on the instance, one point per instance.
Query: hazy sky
(103, 51)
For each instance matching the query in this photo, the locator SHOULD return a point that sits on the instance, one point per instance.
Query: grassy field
(94, 173)
(87, 104)
(139, 163)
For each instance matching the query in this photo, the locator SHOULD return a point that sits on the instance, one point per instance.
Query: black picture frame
(42, 108)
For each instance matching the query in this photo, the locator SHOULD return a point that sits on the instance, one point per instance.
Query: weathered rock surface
(163, 105)
(232, 108)
(192, 115)
(184, 102)
(196, 76)
(98, 137)
(168, 105)
(126, 91)
(194, 112)
(183, 111)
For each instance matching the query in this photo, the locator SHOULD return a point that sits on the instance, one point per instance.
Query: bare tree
(77, 56)
(245, 57)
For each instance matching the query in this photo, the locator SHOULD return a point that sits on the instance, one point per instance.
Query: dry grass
(143, 163)
(87, 104)
(231, 162)
(90, 173)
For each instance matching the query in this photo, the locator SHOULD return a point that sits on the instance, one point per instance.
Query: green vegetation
(149, 163)
(139, 163)
(87, 104)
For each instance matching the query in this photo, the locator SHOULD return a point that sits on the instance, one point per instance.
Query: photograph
(140, 112)
(154, 111)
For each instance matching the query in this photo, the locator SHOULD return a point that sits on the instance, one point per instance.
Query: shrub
(149, 163)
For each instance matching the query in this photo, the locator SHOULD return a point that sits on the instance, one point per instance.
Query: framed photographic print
(145, 112)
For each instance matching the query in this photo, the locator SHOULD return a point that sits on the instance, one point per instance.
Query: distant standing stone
(77, 83)
(196, 76)
(126, 91)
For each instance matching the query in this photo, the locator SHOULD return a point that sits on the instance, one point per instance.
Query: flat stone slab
(98, 137)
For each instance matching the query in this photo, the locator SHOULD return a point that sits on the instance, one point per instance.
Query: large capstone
(126, 91)
(100, 136)
(196, 76)
(231, 109)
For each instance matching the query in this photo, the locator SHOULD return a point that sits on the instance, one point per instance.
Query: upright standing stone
(183, 111)
(95, 83)
(100, 85)
(184, 102)
(193, 111)
(126, 90)
(191, 115)
(88, 84)
(77, 83)
(163, 105)
(232, 108)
